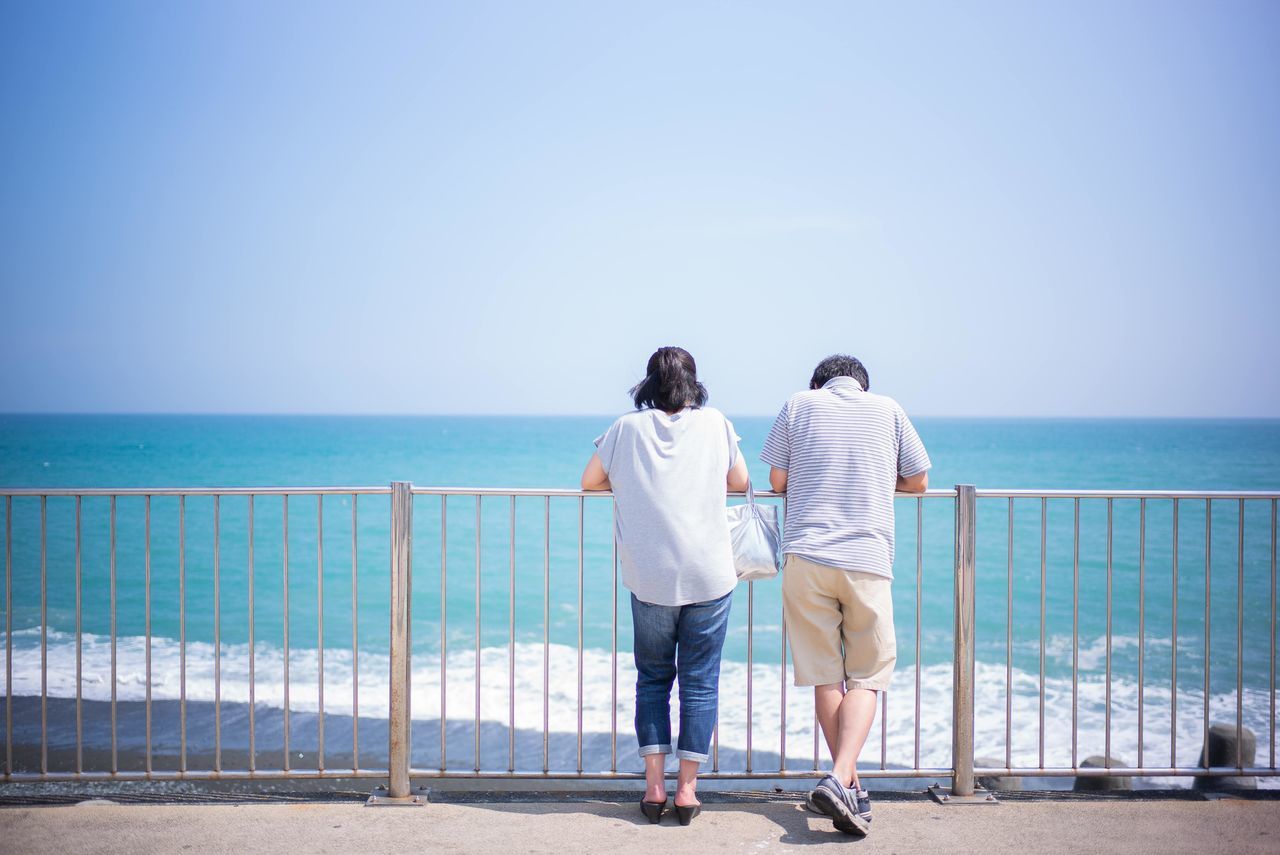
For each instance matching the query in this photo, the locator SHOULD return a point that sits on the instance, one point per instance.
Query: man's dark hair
(670, 383)
(839, 365)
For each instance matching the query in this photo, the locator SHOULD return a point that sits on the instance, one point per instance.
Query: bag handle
(751, 494)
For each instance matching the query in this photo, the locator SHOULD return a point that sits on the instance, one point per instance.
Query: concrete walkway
(579, 824)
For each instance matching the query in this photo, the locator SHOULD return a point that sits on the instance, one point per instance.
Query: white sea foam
(601, 706)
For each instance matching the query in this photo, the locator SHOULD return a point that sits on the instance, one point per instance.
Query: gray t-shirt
(668, 475)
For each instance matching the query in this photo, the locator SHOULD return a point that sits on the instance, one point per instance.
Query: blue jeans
(684, 640)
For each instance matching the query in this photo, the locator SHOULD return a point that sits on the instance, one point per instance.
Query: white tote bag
(753, 533)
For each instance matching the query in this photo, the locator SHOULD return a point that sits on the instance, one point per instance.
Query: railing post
(962, 689)
(398, 791)
(962, 673)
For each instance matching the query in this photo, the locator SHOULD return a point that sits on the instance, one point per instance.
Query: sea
(521, 597)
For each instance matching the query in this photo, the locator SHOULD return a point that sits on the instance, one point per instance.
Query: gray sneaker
(839, 803)
(863, 799)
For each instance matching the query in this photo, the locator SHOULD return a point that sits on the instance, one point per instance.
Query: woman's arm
(738, 479)
(594, 477)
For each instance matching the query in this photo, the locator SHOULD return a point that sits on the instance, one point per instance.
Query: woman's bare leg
(687, 783)
(655, 785)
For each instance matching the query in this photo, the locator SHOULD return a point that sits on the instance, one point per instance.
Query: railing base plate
(944, 796)
(418, 797)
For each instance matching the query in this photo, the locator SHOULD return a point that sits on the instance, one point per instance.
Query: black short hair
(670, 383)
(839, 365)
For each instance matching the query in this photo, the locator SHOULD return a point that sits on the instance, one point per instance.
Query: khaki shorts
(839, 625)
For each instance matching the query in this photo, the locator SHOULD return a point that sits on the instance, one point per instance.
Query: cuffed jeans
(683, 640)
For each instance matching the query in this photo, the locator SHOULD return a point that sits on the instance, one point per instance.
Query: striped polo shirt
(843, 449)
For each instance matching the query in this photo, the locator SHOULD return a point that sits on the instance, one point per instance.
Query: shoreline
(425, 754)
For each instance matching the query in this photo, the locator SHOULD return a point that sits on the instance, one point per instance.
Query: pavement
(576, 822)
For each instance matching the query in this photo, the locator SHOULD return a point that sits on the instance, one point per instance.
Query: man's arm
(738, 478)
(594, 477)
(916, 483)
(778, 479)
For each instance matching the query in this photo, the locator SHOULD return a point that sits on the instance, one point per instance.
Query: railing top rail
(363, 491)
(1126, 494)
(554, 493)
(193, 491)
(274, 490)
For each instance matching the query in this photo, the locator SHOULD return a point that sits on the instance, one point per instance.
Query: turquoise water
(125, 451)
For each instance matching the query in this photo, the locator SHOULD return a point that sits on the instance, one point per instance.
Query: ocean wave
(606, 697)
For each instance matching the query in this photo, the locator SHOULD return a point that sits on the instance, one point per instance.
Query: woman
(669, 464)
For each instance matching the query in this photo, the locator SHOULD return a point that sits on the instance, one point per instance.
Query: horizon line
(390, 414)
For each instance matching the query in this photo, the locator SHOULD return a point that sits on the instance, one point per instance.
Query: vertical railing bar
(79, 647)
(8, 635)
(1240, 633)
(816, 728)
(320, 631)
(613, 659)
(1044, 526)
(782, 672)
(399, 712)
(1075, 631)
(355, 643)
(782, 692)
(44, 639)
(479, 523)
(1208, 576)
(919, 595)
(217, 634)
(1107, 741)
(715, 743)
(147, 587)
(964, 643)
(444, 637)
(253, 754)
(285, 605)
(580, 616)
(1272, 643)
(511, 648)
(546, 631)
(884, 728)
(751, 602)
(1142, 612)
(1173, 668)
(1008, 654)
(182, 632)
(115, 765)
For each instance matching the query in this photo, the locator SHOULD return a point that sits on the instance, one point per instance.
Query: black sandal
(654, 810)
(686, 813)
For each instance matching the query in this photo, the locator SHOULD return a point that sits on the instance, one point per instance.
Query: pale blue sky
(1002, 208)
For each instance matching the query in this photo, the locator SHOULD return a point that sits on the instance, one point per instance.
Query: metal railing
(962, 562)
(1141, 501)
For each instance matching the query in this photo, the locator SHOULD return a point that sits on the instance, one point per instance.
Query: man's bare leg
(826, 700)
(846, 719)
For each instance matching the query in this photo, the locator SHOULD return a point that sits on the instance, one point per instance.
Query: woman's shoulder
(711, 414)
(647, 416)
(632, 417)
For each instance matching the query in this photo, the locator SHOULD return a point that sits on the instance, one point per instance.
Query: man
(839, 452)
